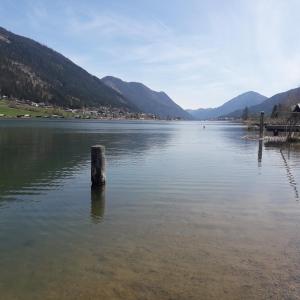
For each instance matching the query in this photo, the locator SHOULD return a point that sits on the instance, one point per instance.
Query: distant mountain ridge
(29, 70)
(237, 103)
(147, 100)
(286, 99)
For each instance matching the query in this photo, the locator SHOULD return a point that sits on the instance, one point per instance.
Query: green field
(17, 110)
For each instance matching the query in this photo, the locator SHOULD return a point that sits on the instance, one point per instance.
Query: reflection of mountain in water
(40, 155)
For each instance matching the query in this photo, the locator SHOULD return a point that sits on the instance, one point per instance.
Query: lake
(187, 212)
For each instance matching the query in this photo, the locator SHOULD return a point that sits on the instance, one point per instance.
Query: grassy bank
(12, 111)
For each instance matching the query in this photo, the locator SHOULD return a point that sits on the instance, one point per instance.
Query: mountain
(240, 102)
(286, 99)
(29, 70)
(147, 100)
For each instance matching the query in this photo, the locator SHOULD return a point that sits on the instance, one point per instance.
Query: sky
(200, 52)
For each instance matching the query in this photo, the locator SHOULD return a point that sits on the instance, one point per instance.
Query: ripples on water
(188, 213)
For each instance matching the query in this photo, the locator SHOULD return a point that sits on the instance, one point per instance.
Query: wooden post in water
(98, 165)
(261, 125)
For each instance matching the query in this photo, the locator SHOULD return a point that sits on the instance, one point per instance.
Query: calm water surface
(187, 213)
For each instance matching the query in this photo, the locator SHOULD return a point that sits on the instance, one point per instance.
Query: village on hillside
(21, 108)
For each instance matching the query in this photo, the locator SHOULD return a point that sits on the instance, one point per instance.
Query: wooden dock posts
(98, 166)
(261, 125)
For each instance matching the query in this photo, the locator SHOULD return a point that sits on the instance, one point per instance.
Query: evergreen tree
(245, 114)
(274, 113)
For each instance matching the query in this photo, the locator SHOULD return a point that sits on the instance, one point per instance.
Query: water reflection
(38, 156)
(175, 197)
(290, 175)
(97, 204)
(260, 147)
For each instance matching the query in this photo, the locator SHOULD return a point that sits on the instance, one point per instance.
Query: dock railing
(285, 124)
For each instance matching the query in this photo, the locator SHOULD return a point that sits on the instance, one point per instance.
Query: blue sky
(199, 52)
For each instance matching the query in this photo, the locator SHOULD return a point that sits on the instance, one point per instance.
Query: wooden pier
(274, 140)
(282, 128)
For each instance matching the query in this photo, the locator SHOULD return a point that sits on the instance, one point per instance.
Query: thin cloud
(199, 53)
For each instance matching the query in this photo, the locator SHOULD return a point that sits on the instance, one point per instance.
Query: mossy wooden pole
(98, 165)
(261, 125)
